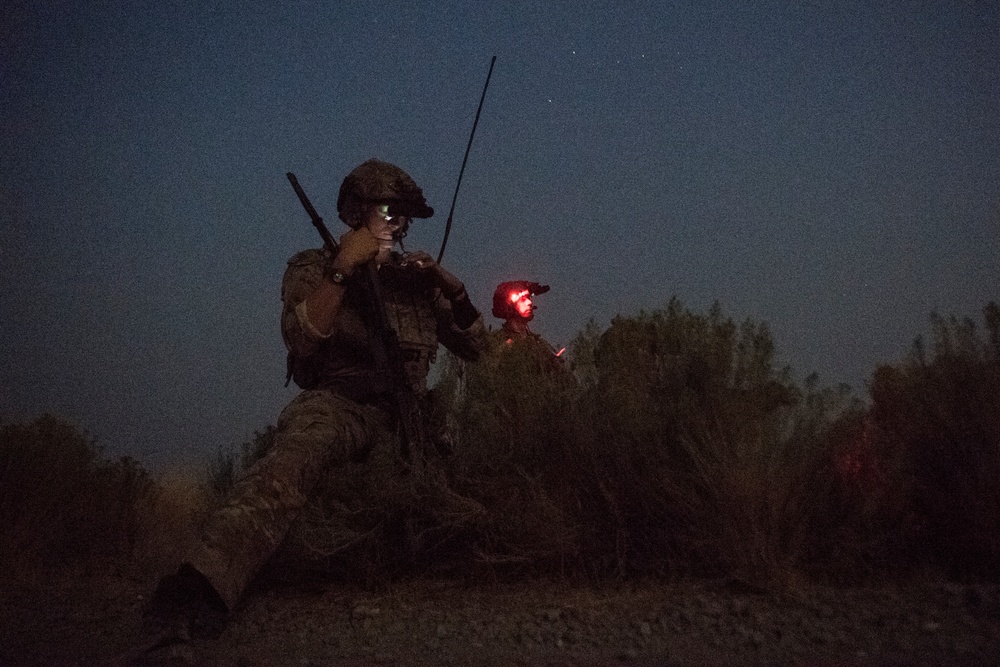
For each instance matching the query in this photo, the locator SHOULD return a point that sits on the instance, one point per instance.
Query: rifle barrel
(315, 217)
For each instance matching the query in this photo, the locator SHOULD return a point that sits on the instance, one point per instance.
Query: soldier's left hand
(422, 261)
(419, 260)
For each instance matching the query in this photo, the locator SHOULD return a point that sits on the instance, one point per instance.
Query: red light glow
(515, 296)
(522, 302)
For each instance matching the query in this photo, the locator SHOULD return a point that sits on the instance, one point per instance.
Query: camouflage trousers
(316, 431)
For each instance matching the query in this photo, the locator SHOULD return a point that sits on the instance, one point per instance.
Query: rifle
(386, 351)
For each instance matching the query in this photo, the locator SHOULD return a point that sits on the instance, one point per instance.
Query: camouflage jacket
(532, 345)
(342, 361)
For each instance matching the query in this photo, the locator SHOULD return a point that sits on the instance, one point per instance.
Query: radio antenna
(447, 226)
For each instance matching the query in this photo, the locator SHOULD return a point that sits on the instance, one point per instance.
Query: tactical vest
(344, 362)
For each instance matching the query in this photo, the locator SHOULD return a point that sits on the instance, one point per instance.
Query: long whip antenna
(447, 226)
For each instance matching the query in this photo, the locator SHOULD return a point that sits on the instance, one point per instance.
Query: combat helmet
(377, 181)
(507, 294)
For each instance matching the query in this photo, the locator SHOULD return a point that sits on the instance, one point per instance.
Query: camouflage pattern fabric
(341, 415)
(531, 345)
(378, 181)
(317, 430)
(417, 311)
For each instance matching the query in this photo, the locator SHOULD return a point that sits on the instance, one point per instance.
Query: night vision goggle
(390, 213)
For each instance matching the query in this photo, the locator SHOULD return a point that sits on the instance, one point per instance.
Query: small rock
(825, 611)
(552, 615)
(931, 626)
(972, 598)
(644, 629)
(180, 654)
(713, 609)
(627, 655)
(364, 611)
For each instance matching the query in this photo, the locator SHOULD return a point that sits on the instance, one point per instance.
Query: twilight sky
(830, 168)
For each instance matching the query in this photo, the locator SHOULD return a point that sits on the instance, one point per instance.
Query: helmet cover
(503, 305)
(375, 181)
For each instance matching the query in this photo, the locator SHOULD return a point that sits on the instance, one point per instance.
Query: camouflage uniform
(344, 411)
(528, 338)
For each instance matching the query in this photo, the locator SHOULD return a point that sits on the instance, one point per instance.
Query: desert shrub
(938, 411)
(676, 444)
(707, 456)
(61, 502)
(178, 503)
(227, 464)
(221, 471)
(669, 442)
(466, 509)
(866, 527)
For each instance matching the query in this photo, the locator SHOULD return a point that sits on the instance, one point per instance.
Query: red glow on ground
(860, 464)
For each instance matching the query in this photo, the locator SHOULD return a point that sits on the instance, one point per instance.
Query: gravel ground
(65, 620)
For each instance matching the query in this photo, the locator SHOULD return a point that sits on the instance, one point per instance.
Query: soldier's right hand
(357, 247)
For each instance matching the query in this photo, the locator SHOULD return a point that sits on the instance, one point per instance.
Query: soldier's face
(388, 229)
(523, 305)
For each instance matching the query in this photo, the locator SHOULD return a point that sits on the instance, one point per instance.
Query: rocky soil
(94, 620)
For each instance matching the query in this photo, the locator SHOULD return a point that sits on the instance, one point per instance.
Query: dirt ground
(95, 620)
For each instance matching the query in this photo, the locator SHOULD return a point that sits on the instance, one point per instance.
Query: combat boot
(185, 606)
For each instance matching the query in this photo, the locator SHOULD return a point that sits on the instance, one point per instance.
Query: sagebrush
(669, 442)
